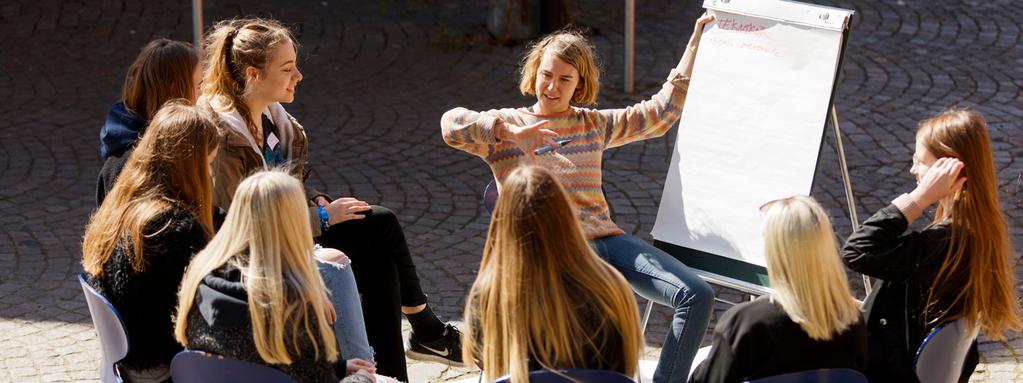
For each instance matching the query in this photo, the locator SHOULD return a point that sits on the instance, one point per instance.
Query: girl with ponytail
(252, 70)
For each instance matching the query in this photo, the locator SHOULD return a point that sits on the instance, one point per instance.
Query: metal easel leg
(848, 183)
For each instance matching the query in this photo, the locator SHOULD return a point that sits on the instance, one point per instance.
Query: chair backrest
(490, 196)
(578, 374)
(204, 367)
(941, 356)
(113, 338)
(824, 375)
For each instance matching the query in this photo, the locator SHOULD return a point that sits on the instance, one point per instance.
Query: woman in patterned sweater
(560, 71)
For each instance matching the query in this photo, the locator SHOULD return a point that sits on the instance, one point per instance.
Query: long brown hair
(231, 47)
(286, 295)
(168, 167)
(541, 290)
(162, 71)
(979, 246)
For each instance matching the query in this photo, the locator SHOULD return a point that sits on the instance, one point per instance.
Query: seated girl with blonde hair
(810, 322)
(252, 71)
(255, 292)
(560, 70)
(542, 298)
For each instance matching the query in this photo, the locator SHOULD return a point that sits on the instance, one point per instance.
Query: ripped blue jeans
(350, 328)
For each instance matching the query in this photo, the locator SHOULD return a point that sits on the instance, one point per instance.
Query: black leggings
(387, 280)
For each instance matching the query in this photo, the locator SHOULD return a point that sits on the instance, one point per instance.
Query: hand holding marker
(551, 148)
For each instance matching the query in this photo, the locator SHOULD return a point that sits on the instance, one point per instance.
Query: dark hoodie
(219, 322)
(120, 131)
(116, 141)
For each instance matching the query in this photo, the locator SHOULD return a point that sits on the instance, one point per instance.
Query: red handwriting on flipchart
(748, 28)
(761, 48)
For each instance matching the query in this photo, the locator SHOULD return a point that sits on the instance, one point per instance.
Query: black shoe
(447, 349)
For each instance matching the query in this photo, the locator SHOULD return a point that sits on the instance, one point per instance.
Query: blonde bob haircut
(572, 48)
(542, 295)
(266, 235)
(804, 268)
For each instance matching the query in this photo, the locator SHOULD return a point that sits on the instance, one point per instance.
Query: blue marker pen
(551, 148)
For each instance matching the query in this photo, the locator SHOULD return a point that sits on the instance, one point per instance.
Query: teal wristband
(324, 218)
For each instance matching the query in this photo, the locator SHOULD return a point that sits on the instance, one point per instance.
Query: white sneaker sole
(432, 358)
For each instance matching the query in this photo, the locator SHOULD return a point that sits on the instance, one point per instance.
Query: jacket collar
(236, 124)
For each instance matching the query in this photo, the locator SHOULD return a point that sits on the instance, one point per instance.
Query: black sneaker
(447, 349)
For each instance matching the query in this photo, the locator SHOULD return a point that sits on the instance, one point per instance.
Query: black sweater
(112, 166)
(906, 264)
(219, 322)
(757, 339)
(146, 300)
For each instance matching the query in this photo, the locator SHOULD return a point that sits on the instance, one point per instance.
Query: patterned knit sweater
(578, 164)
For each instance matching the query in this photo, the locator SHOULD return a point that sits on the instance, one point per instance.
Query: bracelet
(324, 218)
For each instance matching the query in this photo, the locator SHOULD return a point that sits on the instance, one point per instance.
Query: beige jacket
(238, 155)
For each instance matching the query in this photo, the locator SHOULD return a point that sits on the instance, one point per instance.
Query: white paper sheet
(752, 125)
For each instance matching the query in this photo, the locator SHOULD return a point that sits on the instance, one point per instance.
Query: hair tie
(229, 50)
(232, 34)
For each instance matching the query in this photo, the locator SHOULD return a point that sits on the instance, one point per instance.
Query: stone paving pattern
(378, 76)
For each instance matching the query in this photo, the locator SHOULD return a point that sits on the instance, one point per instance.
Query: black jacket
(108, 174)
(146, 300)
(757, 339)
(219, 322)
(906, 264)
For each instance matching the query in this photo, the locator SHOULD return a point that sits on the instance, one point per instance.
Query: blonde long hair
(168, 168)
(231, 47)
(804, 268)
(536, 274)
(979, 245)
(266, 235)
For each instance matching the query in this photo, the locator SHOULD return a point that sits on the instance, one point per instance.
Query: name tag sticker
(272, 141)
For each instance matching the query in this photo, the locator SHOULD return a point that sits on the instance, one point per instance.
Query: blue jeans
(350, 328)
(656, 275)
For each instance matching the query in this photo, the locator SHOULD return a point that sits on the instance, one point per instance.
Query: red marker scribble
(747, 28)
(760, 48)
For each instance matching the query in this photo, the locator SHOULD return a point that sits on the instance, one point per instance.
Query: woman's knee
(696, 295)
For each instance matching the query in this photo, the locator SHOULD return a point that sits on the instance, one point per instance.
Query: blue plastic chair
(576, 375)
(941, 356)
(490, 196)
(824, 375)
(203, 367)
(113, 339)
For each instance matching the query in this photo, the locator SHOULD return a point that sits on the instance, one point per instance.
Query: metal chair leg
(646, 316)
(646, 319)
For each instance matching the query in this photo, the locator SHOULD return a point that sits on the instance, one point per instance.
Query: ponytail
(232, 46)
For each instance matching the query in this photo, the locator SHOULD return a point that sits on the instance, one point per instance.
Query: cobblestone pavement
(378, 76)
